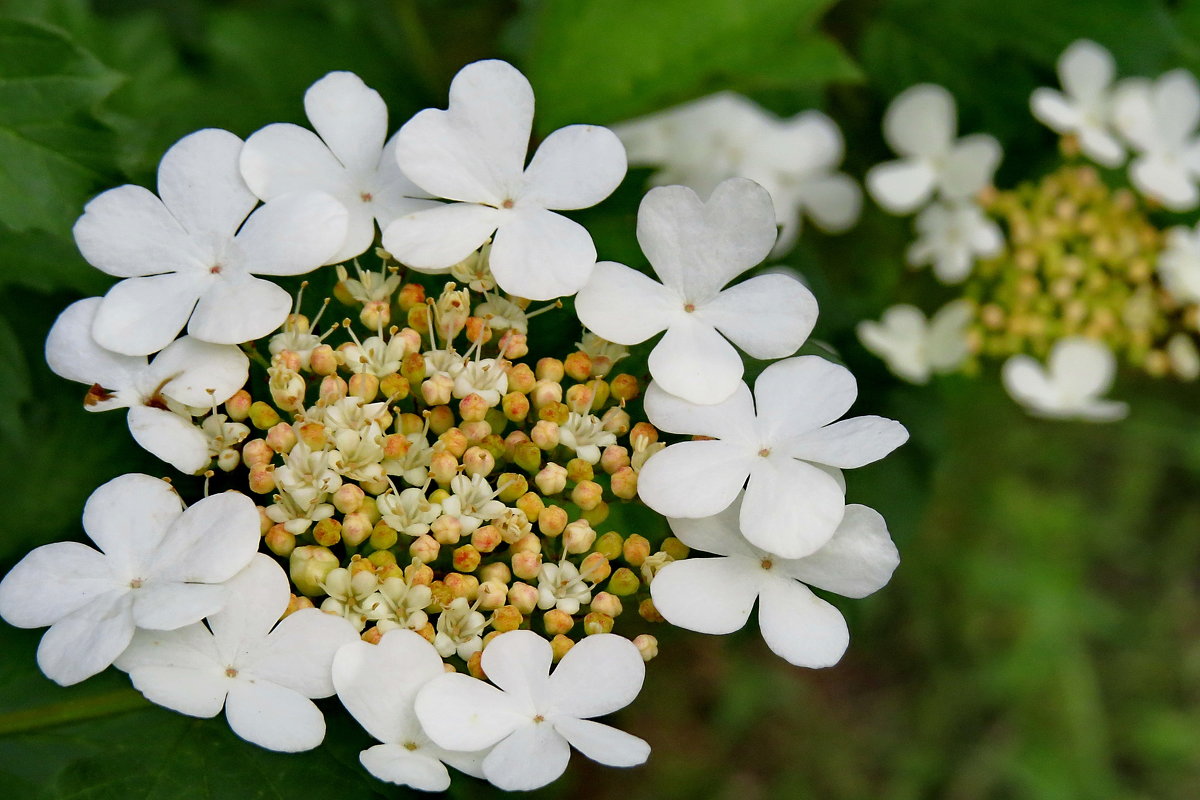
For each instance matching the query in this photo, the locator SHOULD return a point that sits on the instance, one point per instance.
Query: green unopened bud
(383, 536)
(596, 515)
(507, 618)
(395, 387)
(263, 416)
(559, 646)
(600, 392)
(308, 566)
(327, 532)
(676, 549)
(624, 582)
(648, 612)
(528, 456)
(412, 369)
(579, 470)
(609, 545)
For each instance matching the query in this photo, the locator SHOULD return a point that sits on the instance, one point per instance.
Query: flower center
(539, 719)
(215, 269)
(507, 204)
(410, 746)
(366, 197)
(230, 672)
(766, 451)
(766, 563)
(136, 583)
(689, 307)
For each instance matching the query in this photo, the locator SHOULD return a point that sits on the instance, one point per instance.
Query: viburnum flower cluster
(421, 507)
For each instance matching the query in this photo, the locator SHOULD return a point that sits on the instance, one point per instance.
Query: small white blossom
(399, 605)
(561, 586)
(413, 466)
(473, 153)
(410, 512)
(1179, 264)
(913, 347)
(950, 237)
(159, 567)
(1184, 356)
(474, 270)
(472, 501)
(369, 287)
(1159, 121)
(503, 314)
(380, 356)
(1070, 386)
(585, 434)
(484, 377)
(1086, 71)
(263, 678)
(459, 630)
(351, 597)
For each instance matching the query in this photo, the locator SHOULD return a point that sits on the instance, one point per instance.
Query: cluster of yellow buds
(455, 490)
(1079, 260)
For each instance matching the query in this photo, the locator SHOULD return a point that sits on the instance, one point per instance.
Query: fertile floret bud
(281, 438)
(648, 612)
(263, 416)
(486, 538)
(624, 582)
(559, 646)
(676, 549)
(383, 536)
(412, 295)
(443, 466)
(579, 399)
(237, 407)
(551, 479)
(616, 421)
(425, 549)
(492, 595)
(636, 550)
(446, 529)
(356, 528)
(608, 604)
(348, 499)
(515, 406)
(549, 369)
(579, 470)
(544, 393)
(531, 504)
(557, 622)
(578, 366)
(308, 566)
(600, 392)
(613, 458)
(521, 378)
(647, 645)
(333, 389)
(578, 537)
(552, 521)
(624, 483)
(437, 390)
(496, 571)
(511, 485)
(506, 618)
(526, 565)
(477, 461)
(609, 545)
(513, 344)
(466, 558)
(261, 479)
(395, 386)
(595, 622)
(624, 387)
(545, 435)
(279, 541)
(523, 597)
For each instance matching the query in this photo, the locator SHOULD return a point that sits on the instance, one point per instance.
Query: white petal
(899, 338)
(1102, 147)
(139, 316)
(969, 166)
(575, 167)
(87, 641)
(1177, 106)
(73, 354)
(901, 186)
(518, 662)
(732, 418)
(1164, 181)
(921, 121)
(769, 316)
(350, 116)
(290, 235)
(603, 743)
(438, 238)
(258, 596)
(696, 248)
(947, 342)
(848, 443)
(394, 764)
(274, 717)
(604, 674)
(800, 627)
(708, 595)
(167, 606)
(283, 158)
(129, 516)
(541, 255)
(474, 151)
(533, 756)
(212, 541)
(198, 373)
(1054, 111)
(1084, 367)
(693, 362)
(1027, 383)
(180, 670)
(239, 309)
(128, 232)
(694, 479)
(801, 394)
(834, 202)
(791, 508)
(1086, 69)
(857, 561)
(394, 195)
(200, 183)
(718, 534)
(385, 710)
(459, 712)
(624, 306)
(51, 582)
(299, 653)
(171, 437)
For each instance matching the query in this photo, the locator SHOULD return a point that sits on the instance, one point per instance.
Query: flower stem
(30, 719)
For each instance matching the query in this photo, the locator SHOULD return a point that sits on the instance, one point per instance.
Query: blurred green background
(1041, 638)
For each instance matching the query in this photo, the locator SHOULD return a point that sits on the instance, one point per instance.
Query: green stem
(31, 719)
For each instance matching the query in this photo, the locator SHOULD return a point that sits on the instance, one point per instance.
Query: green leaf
(607, 60)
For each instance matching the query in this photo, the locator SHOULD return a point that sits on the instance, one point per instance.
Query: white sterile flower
(188, 373)
(1159, 120)
(696, 248)
(585, 434)
(194, 253)
(779, 438)
(1070, 386)
(378, 685)
(472, 501)
(484, 377)
(561, 586)
(951, 236)
(913, 347)
(1179, 264)
(533, 718)
(1086, 71)
(921, 126)
(474, 154)
(347, 158)
(715, 595)
(263, 678)
(459, 630)
(158, 567)
(410, 512)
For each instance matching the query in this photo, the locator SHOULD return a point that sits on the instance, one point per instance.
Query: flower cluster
(426, 503)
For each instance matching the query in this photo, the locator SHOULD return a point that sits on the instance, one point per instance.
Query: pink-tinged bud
(257, 452)
(587, 495)
(527, 543)
(608, 604)
(676, 549)
(237, 407)
(418, 574)
(624, 387)
(356, 528)
(531, 504)
(437, 390)
(643, 430)
(544, 393)
(279, 541)
(466, 558)
(555, 412)
(477, 461)
(323, 360)
(412, 295)
(308, 566)
(281, 438)
(552, 521)
(376, 314)
(595, 568)
(609, 545)
(551, 479)
(418, 318)
(596, 622)
(312, 434)
(578, 366)
(263, 416)
(364, 385)
(327, 532)
(595, 516)
(613, 458)
(496, 571)
(515, 406)
(635, 550)
(600, 392)
(513, 344)
(557, 622)
(579, 399)
(465, 586)
(394, 387)
(371, 635)
(262, 478)
(443, 466)
(478, 431)
(647, 645)
(579, 470)
(624, 483)
(545, 435)
(624, 582)
(472, 408)
(528, 456)
(526, 565)
(425, 549)
(446, 529)
(648, 612)
(549, 369)
(333, 388)
(559, 646)
(264, 522)
(383, 536)
(441, 419)
(412, 369)
(297, 604)
(287, 359)
(521, 378)
(507, 618)
(523, 597)
(578, 537)
(512, 486)
(478, 330)
(486, 538)
(410, 423)
(348, 499)
(616, 421)
(492, 595)
(454, 441)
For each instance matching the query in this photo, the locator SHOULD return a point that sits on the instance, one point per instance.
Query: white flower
(950, 236)
(585, 434)
(262, 677)
(158, 567)
(696, 248)
(199, 248)
(459, 630)
(561, 586)
(351, 597)
(715, 595)
(534, 718)
(410, 512)
(1159, 121)
(1069, 387)
(378, 685)
(485, 377)
(346, 158)
(472, 502)
(400, 605)
(189, 373)
(914, 348)
(1086, 71)
(1179, 264)
(778, 438)
(921, 126)
(474, 154)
